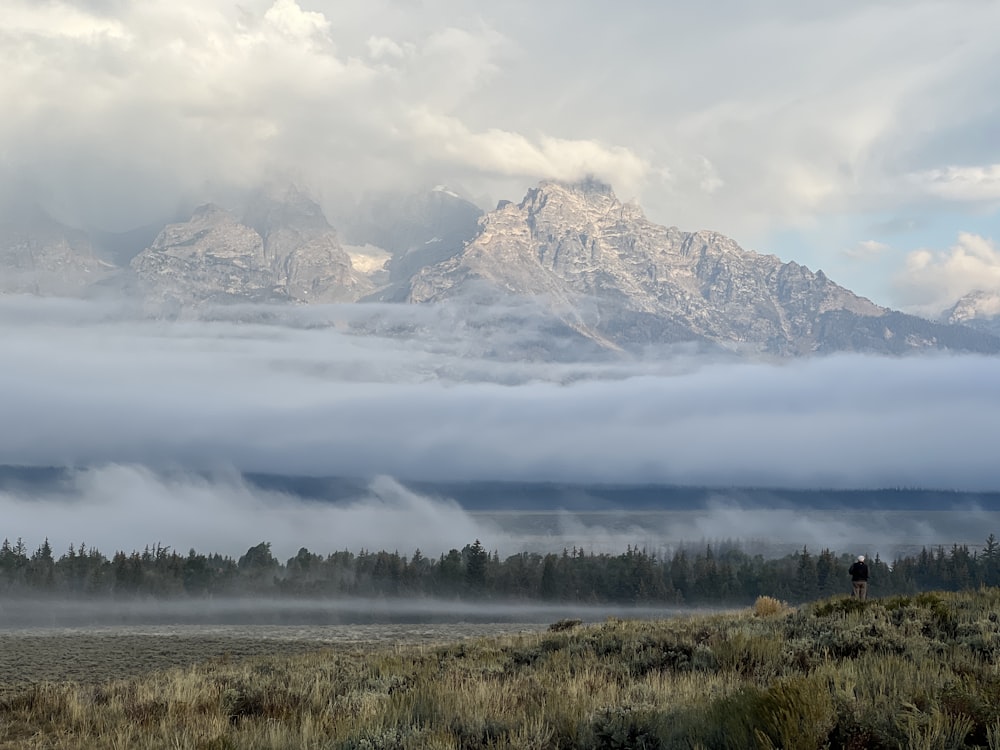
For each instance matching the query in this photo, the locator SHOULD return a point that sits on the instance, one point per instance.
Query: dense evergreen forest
(704, 575)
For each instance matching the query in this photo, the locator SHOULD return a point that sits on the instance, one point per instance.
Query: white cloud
(192, 98)
(289, 19)
(512, 154)
(380, 47)
(55, 19)
(933, 280)
(866, 250)
(972, 184)
(797, 128)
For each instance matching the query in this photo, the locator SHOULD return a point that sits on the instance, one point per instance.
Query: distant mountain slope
(979, 309)
(38, 255)
(302, 250)
(568, 269)
(612, 274)
(284, 250)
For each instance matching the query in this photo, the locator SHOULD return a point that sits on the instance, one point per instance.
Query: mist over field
(340, 611)
(162, 417)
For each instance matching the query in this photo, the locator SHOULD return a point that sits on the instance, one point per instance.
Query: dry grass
(89, 658)
(893, 673)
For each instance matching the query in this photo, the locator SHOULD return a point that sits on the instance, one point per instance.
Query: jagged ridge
(612, 273)
(598, 266)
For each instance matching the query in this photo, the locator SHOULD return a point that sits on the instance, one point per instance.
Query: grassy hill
(913, 672)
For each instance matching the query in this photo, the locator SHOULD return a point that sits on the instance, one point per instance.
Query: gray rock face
(38, 255)
(212, 257)
(302, 250)
(610, 273)
(284, 251)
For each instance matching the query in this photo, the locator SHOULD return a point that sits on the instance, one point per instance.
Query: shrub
(842, 605)
(768, 606)
(797, 712)
(754, 657)
(728, 722)
(561, 625)
(385, 738)
(626, 729)
(934, 729)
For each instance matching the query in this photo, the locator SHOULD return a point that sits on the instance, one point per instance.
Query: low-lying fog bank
(423, 396)
(95, 613)
(127, 507)
(770, 532)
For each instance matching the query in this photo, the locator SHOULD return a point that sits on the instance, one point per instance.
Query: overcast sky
(857, 137)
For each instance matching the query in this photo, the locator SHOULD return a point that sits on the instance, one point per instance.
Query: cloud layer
(124, 112)
(81, 386)
(745, 119)
(931, 280)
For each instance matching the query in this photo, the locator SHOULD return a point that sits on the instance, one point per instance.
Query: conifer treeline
(689, 576)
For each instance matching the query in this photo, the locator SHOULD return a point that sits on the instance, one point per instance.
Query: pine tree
(476, 563)
(805, 586)
(991, 561)
(549, 583)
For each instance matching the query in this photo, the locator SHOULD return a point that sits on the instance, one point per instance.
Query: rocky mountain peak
(589, 201)
(979, 309)
(588, 185)
(283, 249)
(40, 255)
(211, 228)
(619, 279)
(587, 193)
(603, 273)
(974, 305)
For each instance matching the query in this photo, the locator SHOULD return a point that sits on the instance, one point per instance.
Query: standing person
(859, 577)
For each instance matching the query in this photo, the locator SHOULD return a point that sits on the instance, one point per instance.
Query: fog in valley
(311, 613)
(128, 507)
(299, 391)
(158, 421)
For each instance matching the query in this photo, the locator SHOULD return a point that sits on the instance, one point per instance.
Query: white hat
(861, 558)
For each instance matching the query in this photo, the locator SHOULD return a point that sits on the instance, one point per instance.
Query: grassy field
(92, 659)
(94, 655)
(918, 672)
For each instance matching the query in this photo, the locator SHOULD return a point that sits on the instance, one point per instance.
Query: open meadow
(915, 672)
(91, 655)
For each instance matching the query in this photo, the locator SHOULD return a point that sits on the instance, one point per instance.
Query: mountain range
(597, 268)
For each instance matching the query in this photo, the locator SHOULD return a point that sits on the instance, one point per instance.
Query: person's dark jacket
(859, 571)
